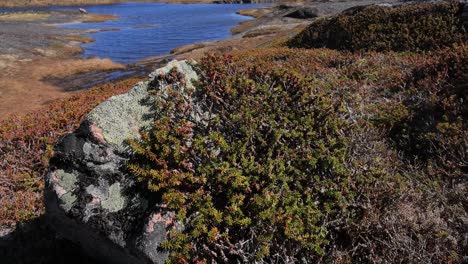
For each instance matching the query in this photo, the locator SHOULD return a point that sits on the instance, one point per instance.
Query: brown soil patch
(191, 47)
(263, 16)
(77, 38)
(244, 26)
(262, 32)
(256, 13)
(97, 18)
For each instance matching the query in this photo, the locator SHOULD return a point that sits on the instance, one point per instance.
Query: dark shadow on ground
(35, 242)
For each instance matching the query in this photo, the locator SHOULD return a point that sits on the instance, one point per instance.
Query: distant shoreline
(53, 59)
(42, 3)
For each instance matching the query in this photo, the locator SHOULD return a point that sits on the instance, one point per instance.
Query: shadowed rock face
(91, 200)
(464, 17)
(304, 13)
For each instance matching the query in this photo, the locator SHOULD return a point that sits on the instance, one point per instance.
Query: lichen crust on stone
(123, 116)
(115, 201)
(64, 185)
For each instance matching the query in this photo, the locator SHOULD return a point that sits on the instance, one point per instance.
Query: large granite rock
(89, 197)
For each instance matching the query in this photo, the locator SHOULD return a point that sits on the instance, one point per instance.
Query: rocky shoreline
(20, 54)
(52, 58)
(34, 49)
(22, 3)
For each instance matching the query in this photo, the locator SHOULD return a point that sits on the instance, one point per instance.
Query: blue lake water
(168, 26)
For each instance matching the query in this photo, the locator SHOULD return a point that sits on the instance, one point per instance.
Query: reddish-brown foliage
(26, 145)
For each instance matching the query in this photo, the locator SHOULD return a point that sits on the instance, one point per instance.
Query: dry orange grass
(22, 90)
(69, 67)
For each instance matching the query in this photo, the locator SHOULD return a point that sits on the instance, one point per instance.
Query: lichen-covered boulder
(91, 200)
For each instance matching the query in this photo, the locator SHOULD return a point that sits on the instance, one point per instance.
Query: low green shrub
(311, 156)
(263, 176)
(409, 27)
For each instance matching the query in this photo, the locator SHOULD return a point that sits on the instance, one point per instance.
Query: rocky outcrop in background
(244, 1)
(91, 200)
(304, 12)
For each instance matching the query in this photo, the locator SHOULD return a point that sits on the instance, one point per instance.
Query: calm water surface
(151, 29)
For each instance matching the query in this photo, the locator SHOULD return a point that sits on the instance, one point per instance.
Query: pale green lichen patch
(67, 180)
(123, 116)
(115, 201)
(67, 201)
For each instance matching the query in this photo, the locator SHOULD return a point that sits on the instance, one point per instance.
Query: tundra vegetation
(416, 27)
(319, 155)
(347, 151)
